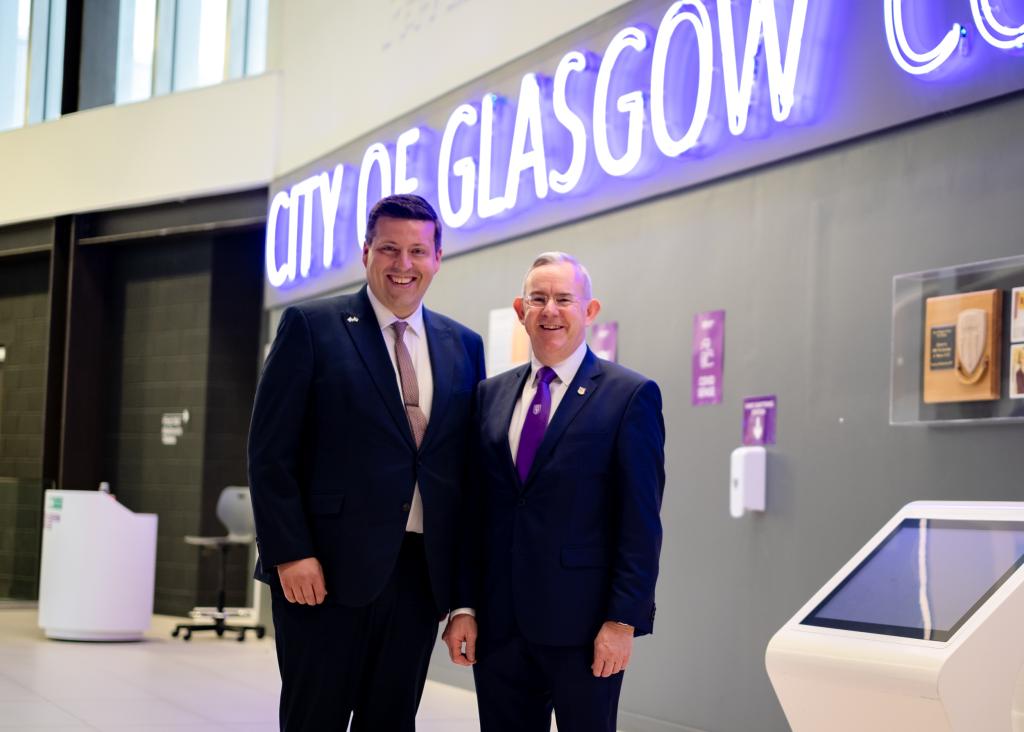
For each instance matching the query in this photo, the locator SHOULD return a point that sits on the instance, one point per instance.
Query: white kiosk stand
(97, 570)
(922, 630)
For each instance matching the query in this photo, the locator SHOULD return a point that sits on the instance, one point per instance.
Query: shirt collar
(385, 317)
(565, 371)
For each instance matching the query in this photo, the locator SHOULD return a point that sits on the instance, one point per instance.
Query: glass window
(247, 38)
(15, 22)
(161, 46)
(136, 33)
(45, 59)
(256, 38)
(200, 43)
(50, 39)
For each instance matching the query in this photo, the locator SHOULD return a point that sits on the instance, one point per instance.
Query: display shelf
(910, 293)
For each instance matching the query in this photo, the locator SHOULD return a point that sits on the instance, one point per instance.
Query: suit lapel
(440, 343)
(582, 388)
(361, 323)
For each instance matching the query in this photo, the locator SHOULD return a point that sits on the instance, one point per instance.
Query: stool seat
(217, 541)
(234, 510)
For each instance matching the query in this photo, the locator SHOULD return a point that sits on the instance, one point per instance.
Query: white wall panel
(214, 140)
(352, 65)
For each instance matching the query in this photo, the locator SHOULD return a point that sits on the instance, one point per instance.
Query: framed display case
(958, 344)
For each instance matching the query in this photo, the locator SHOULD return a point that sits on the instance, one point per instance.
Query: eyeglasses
(541, 301)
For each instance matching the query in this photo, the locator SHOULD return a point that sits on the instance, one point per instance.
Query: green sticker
(57, 502)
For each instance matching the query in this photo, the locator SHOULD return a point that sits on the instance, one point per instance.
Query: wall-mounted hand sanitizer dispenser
(747, 478)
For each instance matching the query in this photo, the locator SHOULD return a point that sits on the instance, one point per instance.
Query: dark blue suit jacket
(332, 461)
(578, 543)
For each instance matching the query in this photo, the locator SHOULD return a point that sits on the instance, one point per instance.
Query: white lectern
(97, 569)
(923, 629)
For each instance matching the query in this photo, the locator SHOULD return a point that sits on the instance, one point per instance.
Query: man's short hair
(555, 258)
(403, 206)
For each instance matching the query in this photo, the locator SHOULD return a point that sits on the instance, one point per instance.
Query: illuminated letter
(463, 168)
(986, 22)
(406, 140)
(330, 195)
(528, 123)
(659, 124)
(630, 104)
(908, 59)
(277, 276)
(565, 182)
(375, 153)
(486, 205)
(302, 200)
(781, 75)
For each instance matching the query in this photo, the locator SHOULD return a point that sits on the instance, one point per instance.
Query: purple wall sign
(759, 420)
(604, 340)
(708, 355)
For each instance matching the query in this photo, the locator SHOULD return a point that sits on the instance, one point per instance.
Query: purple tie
(535, 423)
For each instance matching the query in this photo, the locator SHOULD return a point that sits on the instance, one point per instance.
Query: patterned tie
(535, 423)
(410, 387)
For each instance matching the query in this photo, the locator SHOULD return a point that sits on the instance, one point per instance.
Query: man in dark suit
(571, 474)
(358, 439)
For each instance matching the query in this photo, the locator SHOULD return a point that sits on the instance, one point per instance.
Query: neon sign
(662, 95)
(990, 28)
(995, 33)
(917, 62)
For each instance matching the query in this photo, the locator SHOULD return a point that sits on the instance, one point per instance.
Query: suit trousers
(368, 662)
(518, 683)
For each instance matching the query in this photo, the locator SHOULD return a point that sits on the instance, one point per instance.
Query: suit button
(406, 507)
(521, 502)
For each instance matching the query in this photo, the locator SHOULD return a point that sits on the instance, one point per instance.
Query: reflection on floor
(205, 685)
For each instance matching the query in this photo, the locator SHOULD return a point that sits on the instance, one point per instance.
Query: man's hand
(612, 648)
(303, 581)
(461, 629)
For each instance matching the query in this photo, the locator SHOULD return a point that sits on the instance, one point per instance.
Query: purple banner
(604, 340)
(708, 354)
(759, 420)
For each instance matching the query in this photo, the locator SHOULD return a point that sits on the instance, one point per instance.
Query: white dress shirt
(416, 342)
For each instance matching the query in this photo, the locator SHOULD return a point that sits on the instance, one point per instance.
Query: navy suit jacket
(332, 460)
(578, 542)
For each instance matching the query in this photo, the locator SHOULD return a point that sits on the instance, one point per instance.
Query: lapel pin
(353, 319)
(582, 390)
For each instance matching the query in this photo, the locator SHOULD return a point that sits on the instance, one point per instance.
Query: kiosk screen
(925, 579)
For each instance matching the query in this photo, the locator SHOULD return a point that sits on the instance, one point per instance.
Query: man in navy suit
(571, 474)
(359, 434)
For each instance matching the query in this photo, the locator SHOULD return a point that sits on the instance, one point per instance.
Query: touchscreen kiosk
(923, 629)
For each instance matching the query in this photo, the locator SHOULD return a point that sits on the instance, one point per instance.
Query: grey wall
(231, 374)
(801, 255)
(24, 328)
(185, 325)
(158, 363)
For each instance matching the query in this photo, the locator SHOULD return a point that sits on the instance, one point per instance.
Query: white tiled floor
(161, 684)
